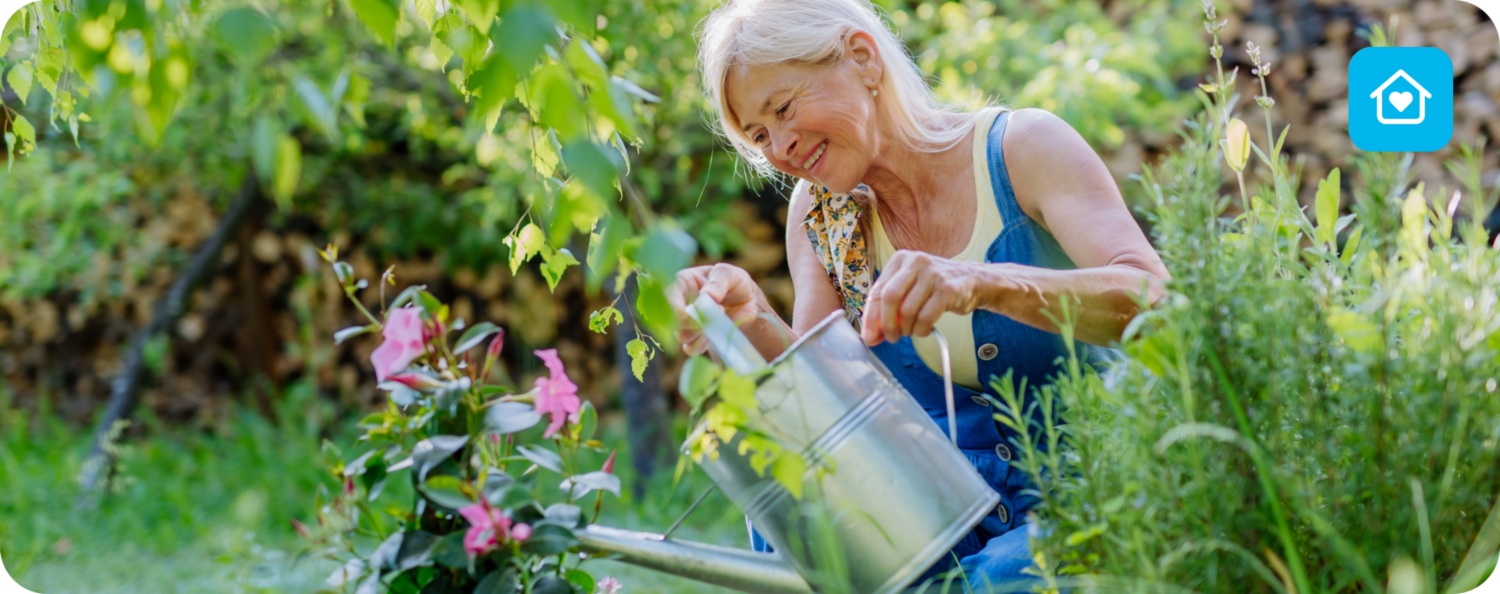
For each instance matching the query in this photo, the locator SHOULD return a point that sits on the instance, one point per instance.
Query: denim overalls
(997, 550)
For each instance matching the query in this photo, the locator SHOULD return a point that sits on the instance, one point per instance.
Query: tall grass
(1312, 408)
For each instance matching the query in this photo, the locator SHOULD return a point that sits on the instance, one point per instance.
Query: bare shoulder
(1049, 161)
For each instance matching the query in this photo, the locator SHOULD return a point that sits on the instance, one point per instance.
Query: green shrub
(1312, 408)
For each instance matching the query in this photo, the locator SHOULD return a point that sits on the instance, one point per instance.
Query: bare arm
(1063, 185)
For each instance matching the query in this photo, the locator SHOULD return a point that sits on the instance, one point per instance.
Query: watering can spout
(724, 566)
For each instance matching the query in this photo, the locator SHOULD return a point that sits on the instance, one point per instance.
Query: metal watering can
(885, 494)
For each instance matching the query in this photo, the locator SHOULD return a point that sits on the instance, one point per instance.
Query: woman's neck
(908, 185)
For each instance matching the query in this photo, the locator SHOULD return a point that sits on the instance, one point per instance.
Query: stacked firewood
(1310, 43)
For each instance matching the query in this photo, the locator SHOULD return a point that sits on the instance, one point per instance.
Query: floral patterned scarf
(833, 227)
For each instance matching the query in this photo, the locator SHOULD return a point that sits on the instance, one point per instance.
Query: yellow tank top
(958, 329)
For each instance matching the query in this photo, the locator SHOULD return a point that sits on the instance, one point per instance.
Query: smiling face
(815, 122)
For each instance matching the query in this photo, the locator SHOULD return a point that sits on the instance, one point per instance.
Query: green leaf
(416, 550)
(496, 483)
(20, 78)
(640, 355)
(549, 539)
(587, 64)
(427, 11)
(788, 470)
(474, 336)
(384, 556)
(651, 303)
(380, 16)
(551, 584)
(542, 457)
(493, 82)
(581, 15)
(265, 139)
(665, 250)
(352, 331)
(480, 12)
(589, 163)
(588, 482)
(588, 421)
(554, 264)
(605, 243)
(737, 390)
(430, 452)
(510, 417)
(563, 514)
(288, 170)
(600, 320)
(555, 102)
(1358, 331)
(450, 552)
(447, 491)
(581, 580)
(246, 35)
(524, 244)
(524, 32)
(1326, 207)
(25, 135)
(323, 116)
(696, 380)
(499, 582)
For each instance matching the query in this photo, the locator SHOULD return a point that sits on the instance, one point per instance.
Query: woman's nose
(786, 146)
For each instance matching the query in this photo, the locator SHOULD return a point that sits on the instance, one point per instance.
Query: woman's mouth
(813, 158)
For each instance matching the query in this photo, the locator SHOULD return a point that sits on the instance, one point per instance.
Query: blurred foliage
(1312, 406)
(383, 129)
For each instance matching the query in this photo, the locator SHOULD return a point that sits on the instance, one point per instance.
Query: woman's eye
(781, 111)
(759, 139)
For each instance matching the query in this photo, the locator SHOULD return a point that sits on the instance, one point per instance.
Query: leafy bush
(484, 518)
(1312, 408)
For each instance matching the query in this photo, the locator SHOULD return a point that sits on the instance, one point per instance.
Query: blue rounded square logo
(1400, 99)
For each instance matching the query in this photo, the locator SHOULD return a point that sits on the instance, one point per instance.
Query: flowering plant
(499, 493)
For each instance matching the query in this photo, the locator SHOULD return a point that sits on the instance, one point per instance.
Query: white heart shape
(1401, 100)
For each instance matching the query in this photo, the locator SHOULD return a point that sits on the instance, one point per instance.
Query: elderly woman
(911, 216)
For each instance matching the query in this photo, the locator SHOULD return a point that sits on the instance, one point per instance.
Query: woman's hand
(914, 290)
(728, 285)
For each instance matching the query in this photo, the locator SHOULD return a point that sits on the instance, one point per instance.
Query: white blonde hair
(765, 32)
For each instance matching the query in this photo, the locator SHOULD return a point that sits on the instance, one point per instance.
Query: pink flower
(556, 396)
(608, 585)
(520, 532)
(609, 463)
(404, 342)
(488, 527)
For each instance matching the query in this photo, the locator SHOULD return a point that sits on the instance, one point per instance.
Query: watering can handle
(726, 339)
(947, 385)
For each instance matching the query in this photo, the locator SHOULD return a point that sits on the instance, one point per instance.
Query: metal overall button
(1003, 514)
(988, 351)
(980, 400)
(1003, 451)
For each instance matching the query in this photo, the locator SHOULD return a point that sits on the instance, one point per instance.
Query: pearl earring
(874, 93)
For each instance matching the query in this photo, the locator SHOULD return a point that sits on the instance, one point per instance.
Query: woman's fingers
(923, 293)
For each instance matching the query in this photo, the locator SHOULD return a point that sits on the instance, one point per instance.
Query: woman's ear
(859, 47)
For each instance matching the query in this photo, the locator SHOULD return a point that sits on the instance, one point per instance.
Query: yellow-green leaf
(1326, 207)
(788, 470)
(288, 170)
(640, 354)
(380, 16)
(20, 79)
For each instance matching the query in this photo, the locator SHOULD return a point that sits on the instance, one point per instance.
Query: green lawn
(208, 511)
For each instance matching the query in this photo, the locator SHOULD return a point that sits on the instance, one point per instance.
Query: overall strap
(1005, 197)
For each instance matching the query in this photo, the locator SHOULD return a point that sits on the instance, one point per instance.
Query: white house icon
(1400, 100)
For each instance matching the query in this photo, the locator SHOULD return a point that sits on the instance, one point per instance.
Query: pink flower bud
(349, 486)
(300, 528)
(609, 463)
(520, 532)
(496, 344)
